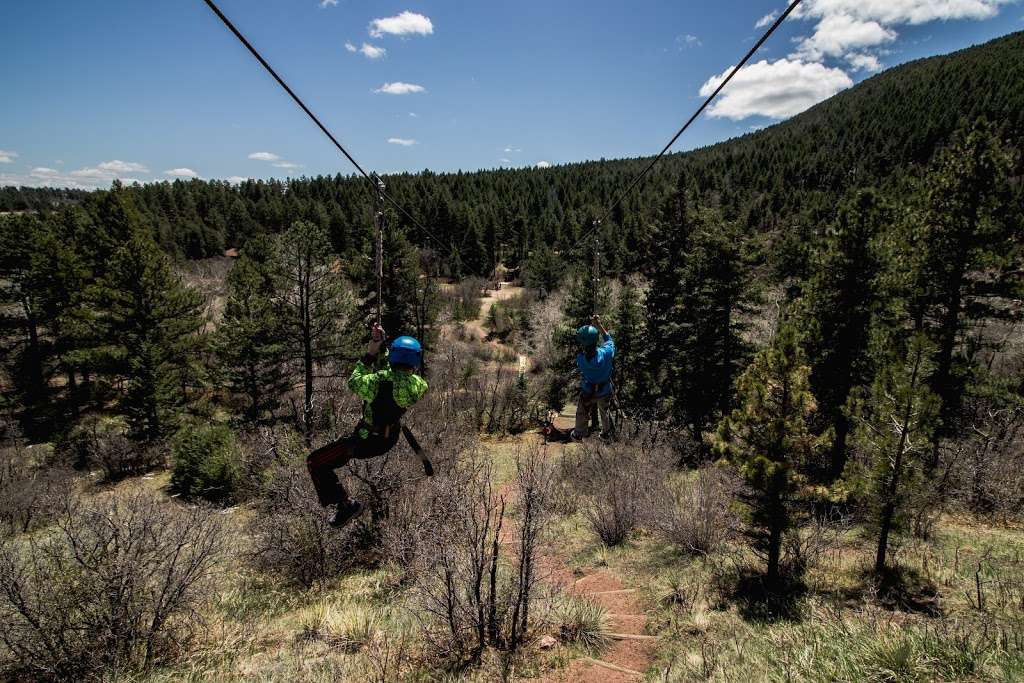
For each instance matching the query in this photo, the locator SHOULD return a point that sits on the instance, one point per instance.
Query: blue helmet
(406, 351)
(586, 336)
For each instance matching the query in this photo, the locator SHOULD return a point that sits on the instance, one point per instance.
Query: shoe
(606, 437)
(345, 513)
(575, 436)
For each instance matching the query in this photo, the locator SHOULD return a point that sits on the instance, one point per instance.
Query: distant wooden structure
(233, 252)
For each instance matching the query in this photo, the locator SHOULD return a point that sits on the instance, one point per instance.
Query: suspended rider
(597, 351)
(387, 394)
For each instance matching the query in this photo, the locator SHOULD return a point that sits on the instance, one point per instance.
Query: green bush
(206, 463)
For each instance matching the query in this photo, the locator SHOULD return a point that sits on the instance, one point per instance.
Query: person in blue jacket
(595, 363)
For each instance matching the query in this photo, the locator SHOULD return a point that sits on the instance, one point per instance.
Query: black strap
(428, 468)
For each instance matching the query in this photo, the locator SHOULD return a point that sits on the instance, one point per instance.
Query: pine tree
(543, 271)
(769, 440)
(894, 431)
(841, 300)
(22, 242)
(633, 388)
(315, 307)
(711, 298)
(671, 242)
(699, 291)
(250, 341)
(962, 252)
(149, 326)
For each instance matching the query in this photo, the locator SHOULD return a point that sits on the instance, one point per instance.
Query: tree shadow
(767, 602)
(906, 590)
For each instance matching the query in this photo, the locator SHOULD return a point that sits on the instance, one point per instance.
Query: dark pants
(323, 462)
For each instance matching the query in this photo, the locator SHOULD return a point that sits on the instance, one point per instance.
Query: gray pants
(583, 410)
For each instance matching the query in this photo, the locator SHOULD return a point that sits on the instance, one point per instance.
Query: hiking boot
(607, 437)
(575, 436)
(345, 513)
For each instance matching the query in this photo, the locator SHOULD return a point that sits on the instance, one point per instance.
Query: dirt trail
(476, 327)
(631, 650)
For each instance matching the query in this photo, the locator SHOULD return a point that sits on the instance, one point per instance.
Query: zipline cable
(636, 181)
(380, 250)
(255, 53)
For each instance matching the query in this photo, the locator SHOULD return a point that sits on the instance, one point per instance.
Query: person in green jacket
(386, 395)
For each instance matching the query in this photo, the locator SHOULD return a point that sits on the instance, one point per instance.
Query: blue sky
(157, 89)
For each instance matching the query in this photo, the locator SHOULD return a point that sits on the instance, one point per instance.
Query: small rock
(547, 642)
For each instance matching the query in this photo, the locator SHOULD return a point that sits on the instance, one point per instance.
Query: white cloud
(118, 166)
(414, 115)
(767, 20)
(838, 33)
(862, 61)
(92, 173)
(891, 12)
(777, 89)
(7, 157)
(543, 164)
(264, 156)
(94, 177)
(372, 51)
(325, 3)
(86, 178)
(505, 161)
(286, 165)
(860, 25)
(237, 179)
(510, 150)
(351, 48)
(399, 88)
(89, 178)
(181, 173)
(404, 142)
(403, 24)
(689, 40)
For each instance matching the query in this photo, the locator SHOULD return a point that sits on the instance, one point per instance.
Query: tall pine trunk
(774, 553)
(892, 488)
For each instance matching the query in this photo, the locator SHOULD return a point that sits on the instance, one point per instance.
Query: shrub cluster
(112, 587)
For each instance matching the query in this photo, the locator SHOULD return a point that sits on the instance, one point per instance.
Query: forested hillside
(782, 179)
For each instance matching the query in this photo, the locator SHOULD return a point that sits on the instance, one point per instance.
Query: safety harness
(387, 421)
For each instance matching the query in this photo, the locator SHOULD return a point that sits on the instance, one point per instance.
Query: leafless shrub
(696, 515)
(28, 487)
(117, 457)
(500, 402)
(113, 587)
(290, 533)
(987, 464)
(463, 298)
(546, 316)
(805, 547)
(477, 580)
(617, 486)
(261, 450)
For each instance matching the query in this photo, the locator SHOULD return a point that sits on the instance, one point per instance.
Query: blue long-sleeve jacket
(597, 371)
